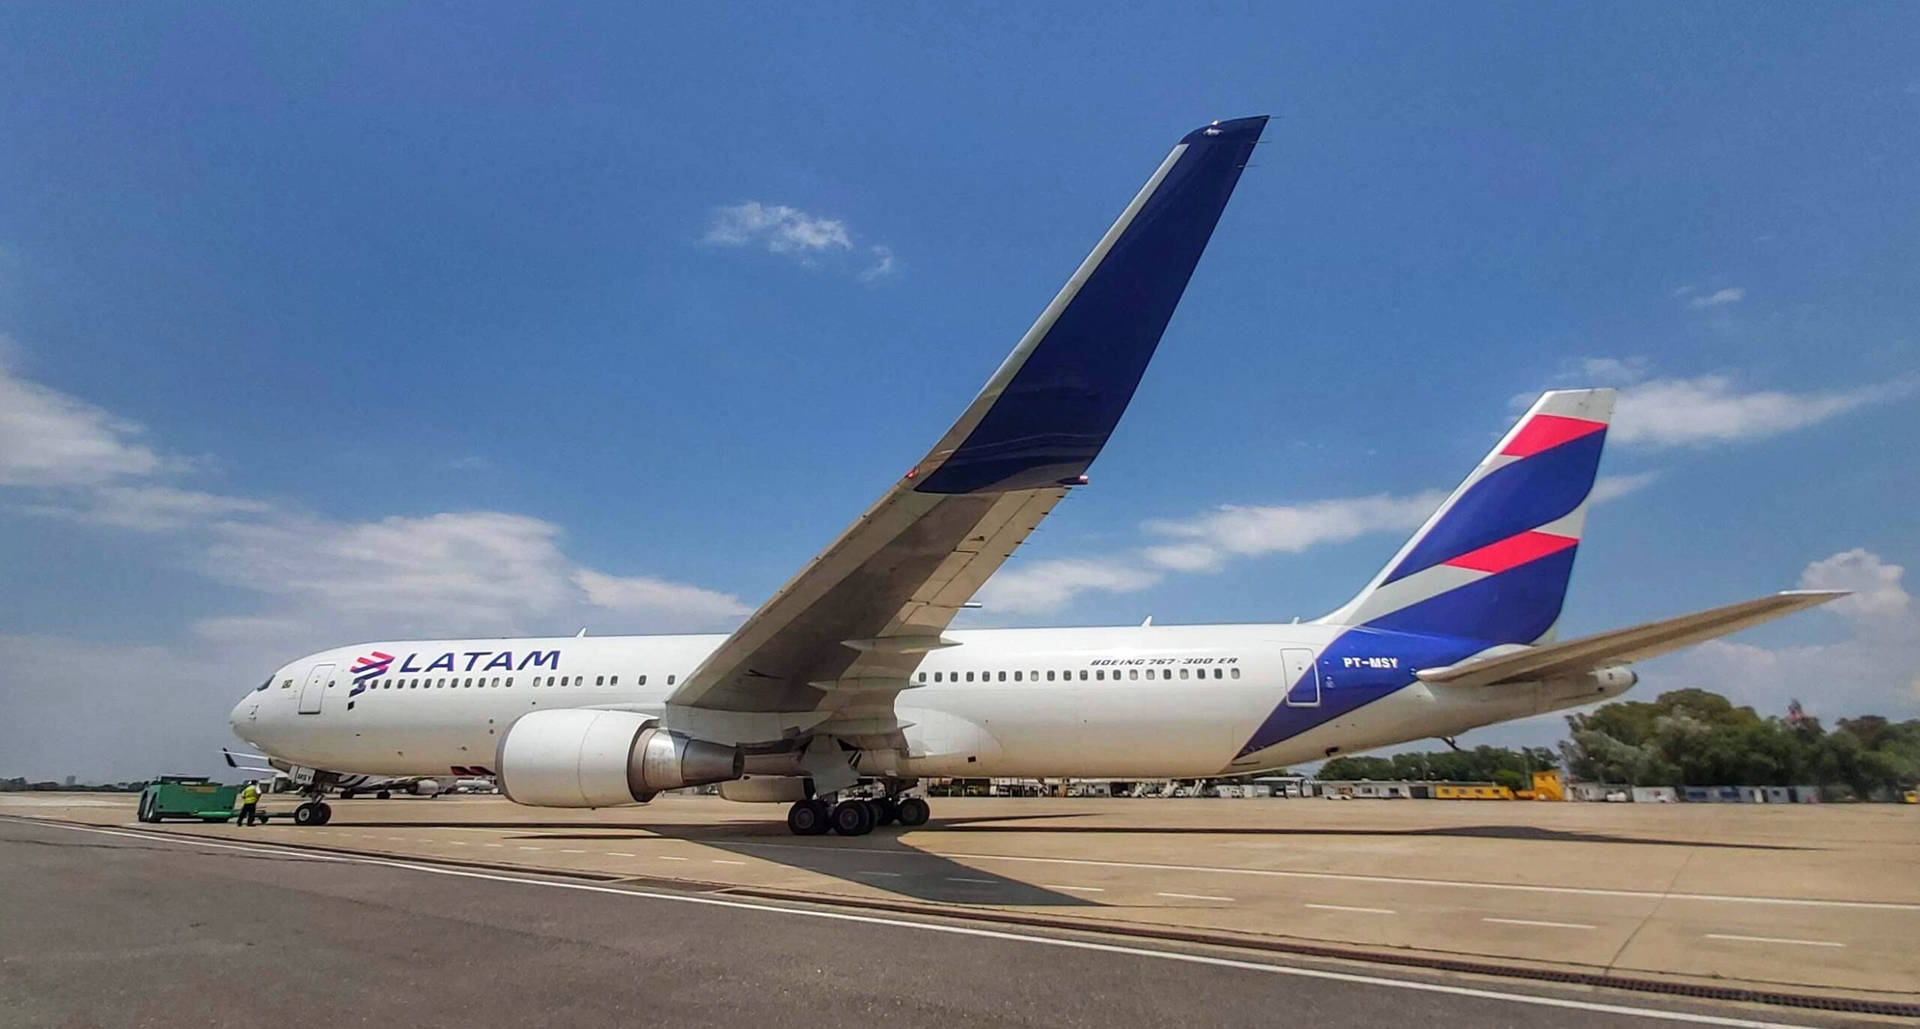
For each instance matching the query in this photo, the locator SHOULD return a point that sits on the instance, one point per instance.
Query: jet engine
(588, 758)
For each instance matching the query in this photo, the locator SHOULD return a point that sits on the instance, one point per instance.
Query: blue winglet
(1056, 412)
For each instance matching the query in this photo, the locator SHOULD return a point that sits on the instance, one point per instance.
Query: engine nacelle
(586, 758)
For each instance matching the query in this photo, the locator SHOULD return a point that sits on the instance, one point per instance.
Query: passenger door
(314, 690)
(1302, 677)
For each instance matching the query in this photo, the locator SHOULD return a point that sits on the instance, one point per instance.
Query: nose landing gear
(313, 812)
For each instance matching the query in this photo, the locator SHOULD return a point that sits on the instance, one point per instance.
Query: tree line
(1689, 737)
(1693, 737)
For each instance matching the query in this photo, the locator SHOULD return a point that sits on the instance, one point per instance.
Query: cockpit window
(264, 685)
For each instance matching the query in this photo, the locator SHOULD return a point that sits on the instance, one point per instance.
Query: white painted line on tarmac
(529, 848)
(964, 879)
(1545, 925)
(884, 875)
(294, 853)
(1363, 911)
(456, 843)
(1774, 939)
(724, 861)
(1191, 896)
(1391, 880)
(669, 857)
(493, 844)
(565, 850)
(616, 853)
(1076, 889)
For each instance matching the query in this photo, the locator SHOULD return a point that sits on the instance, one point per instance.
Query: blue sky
(324, 324)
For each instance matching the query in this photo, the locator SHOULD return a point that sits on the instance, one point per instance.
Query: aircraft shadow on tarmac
(866, 860)
(933, 877)
(1487, 832)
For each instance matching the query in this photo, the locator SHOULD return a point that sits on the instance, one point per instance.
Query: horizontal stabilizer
(1637, 643)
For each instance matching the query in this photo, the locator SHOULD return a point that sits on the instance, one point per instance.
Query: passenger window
(1233, 673)
(1133, 673)
(969, 676)
(1183, 673)
(1083, 675)
(922, 678)
(1101, 674)
(669, 680)
(643, 680)
(509, 682)
(599, 680)
(1034, 676)
(1003, 677)
(1216, 673)
(614, 681)
(1016, 677)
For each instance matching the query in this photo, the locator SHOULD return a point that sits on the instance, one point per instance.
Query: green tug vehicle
(188, 796)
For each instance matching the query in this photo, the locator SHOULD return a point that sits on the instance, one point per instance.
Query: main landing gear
(855, 816)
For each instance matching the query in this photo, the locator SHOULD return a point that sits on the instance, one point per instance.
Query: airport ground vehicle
(183, 796)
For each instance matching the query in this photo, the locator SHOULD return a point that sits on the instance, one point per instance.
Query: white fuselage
(1132, 702)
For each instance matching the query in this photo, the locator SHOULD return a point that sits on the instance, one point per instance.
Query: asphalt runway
(1802, 899)
(113, 926)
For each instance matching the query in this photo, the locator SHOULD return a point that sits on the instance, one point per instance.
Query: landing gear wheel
(326, 813)
(807, 818)
(885, 811)
(914, 811)
(346, 794)
(384, 795)
(853, 818)
(309, 814)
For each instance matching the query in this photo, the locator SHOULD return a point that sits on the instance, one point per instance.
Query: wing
(831, 649)
(1576, 657)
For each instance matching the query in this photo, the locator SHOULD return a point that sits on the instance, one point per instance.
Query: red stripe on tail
(1513, 551)
(1546, 431)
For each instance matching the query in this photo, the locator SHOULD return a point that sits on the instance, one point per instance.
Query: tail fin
(1493, 562)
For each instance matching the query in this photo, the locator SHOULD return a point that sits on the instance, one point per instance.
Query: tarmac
(1818, 902)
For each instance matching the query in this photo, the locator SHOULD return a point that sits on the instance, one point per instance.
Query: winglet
(1049, 409)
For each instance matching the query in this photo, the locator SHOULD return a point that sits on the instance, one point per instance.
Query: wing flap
(1621, 646)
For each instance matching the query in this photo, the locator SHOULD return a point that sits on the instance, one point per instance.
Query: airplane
(851, 679)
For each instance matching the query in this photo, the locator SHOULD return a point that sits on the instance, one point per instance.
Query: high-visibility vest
(250, 795)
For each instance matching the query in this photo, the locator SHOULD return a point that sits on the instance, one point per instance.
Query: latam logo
(367, 669)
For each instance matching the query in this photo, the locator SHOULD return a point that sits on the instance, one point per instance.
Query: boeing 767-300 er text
(849, 680)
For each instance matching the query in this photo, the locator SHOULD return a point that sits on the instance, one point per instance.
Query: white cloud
(777, 227)
(1877, 592)
(1718, 298)
(810, 239)
(882, 265)
(1610, 371)
(1874, 670)
(154, 508)
(1711, 409)
(648, 595)
(1290, 528)
(1044, 587)
(1613, 487)
(451, 574)
(48, 438)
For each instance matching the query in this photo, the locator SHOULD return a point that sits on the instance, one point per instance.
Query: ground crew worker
(249, 804)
